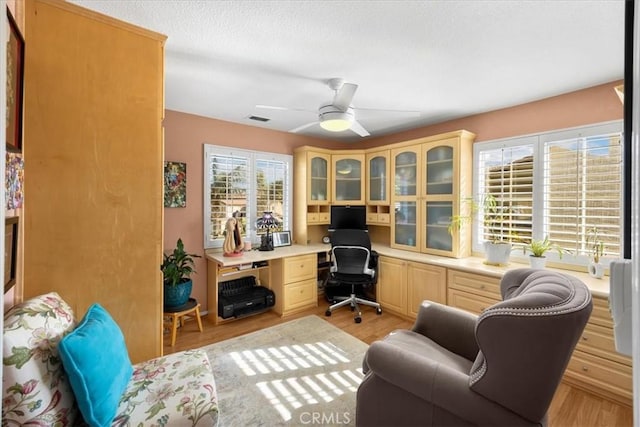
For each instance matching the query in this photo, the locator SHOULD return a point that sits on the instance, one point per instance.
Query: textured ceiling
(445, 59)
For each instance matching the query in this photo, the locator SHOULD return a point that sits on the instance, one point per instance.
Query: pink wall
(185, 135)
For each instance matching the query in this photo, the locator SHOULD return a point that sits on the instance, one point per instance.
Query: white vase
(497, 253)
(537, 261)
(596, 270)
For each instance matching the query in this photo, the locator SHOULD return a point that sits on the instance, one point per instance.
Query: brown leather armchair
(500, 368)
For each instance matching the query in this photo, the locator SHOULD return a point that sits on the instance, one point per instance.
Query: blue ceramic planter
(175, 296)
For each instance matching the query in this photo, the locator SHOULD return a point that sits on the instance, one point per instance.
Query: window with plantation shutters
(244, 184)
(582, 188)
(563, 184)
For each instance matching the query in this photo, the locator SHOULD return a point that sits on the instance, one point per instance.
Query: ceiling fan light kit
(334, 120)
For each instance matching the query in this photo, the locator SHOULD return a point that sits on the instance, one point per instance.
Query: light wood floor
(571, 407)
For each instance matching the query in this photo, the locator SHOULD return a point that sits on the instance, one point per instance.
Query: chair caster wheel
(352, 308)
(327, 313)
(378, 311)
(358, 319)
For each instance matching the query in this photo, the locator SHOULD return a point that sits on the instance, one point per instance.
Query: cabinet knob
(585, 338)
(584, 368)
(481, 286)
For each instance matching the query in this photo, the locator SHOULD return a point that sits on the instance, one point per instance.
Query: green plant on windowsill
(595, 244)
(539, 248)
(494, 215)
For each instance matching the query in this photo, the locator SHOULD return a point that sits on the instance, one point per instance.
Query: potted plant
(596, 250)
(177, 267)
(494, 215)
(538, 249)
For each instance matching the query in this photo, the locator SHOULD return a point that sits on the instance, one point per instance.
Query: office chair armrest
(450, 327)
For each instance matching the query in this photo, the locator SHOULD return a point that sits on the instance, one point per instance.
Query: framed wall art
(15, 75)
(175, 185)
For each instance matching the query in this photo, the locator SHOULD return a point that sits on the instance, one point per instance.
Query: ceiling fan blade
(390, 113)
(299, 128)
(357, 128)
(273, 107)
(344, 96)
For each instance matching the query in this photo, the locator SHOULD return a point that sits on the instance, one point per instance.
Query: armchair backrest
(351, 252)
(526, 340)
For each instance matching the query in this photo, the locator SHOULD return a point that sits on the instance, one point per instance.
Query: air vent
(259, 119)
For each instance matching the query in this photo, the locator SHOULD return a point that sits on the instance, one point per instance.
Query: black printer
(243, 297)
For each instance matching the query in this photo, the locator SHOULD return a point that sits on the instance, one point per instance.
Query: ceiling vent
(259, 119)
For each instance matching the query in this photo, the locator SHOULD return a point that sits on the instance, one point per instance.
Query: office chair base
(353, 302)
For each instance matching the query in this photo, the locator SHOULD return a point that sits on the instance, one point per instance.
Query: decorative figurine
(233, 243)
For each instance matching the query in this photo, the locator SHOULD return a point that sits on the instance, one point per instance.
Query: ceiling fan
(338, 115)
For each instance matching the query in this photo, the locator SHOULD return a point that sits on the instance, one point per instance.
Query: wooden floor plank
(571, 407)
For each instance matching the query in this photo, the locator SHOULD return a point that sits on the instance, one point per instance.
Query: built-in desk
(289, 271)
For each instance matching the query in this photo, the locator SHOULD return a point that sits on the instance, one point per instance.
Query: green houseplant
(538, 249)
(494, 216)
(596, 251)
(177, 267)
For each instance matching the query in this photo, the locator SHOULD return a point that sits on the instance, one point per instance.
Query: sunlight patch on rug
(302, 372)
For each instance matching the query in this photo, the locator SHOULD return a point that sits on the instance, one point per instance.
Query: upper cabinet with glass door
(446, 187)
(377, 186)
(348, 178)
(405, 209)
(318, 176)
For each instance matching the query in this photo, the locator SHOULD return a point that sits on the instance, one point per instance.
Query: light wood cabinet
(294, 282)
(595, 365)
(93, 111)
(430, 179)
(377, 187)
(472, 292)
(403, 285)
(391, 289)
(348, 178)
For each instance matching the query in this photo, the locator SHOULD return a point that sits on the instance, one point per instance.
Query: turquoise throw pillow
(96, 361)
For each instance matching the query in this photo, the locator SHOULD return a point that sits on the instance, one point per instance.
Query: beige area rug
(302, 372)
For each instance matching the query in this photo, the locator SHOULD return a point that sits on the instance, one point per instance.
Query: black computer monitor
(351, 217)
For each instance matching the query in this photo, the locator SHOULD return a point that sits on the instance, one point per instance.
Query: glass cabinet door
(439, 170)
(377, 179)
(405, 225)
(348, 179)
(438, 217)
(319, 179)
(406, 168)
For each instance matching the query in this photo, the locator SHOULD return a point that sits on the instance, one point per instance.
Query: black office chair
(354, 264)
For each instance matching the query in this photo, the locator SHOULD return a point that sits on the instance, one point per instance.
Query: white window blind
(582, 189)
(244, 184)
(505, 176)
(562, 184)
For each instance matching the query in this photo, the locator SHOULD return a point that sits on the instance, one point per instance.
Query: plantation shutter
(505, 176)
(229, 191)
(582, 189)
(271, 191)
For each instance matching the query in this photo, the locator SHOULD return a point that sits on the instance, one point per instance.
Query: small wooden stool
(177, 314)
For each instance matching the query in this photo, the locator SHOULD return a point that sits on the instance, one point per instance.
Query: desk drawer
(599, 341)
(467, 301)
(300, 294)
(601, 314)
(475, 283)
(610, 376)
(299, 268)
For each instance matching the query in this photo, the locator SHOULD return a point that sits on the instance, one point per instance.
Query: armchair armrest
(434, 382)
(450, 327)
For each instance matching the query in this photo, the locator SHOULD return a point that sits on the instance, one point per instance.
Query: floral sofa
(45, 380)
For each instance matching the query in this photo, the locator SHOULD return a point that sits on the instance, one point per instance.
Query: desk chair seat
(352, 264)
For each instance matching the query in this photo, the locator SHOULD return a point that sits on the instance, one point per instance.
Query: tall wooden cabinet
(93, 148)
(431, 177)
